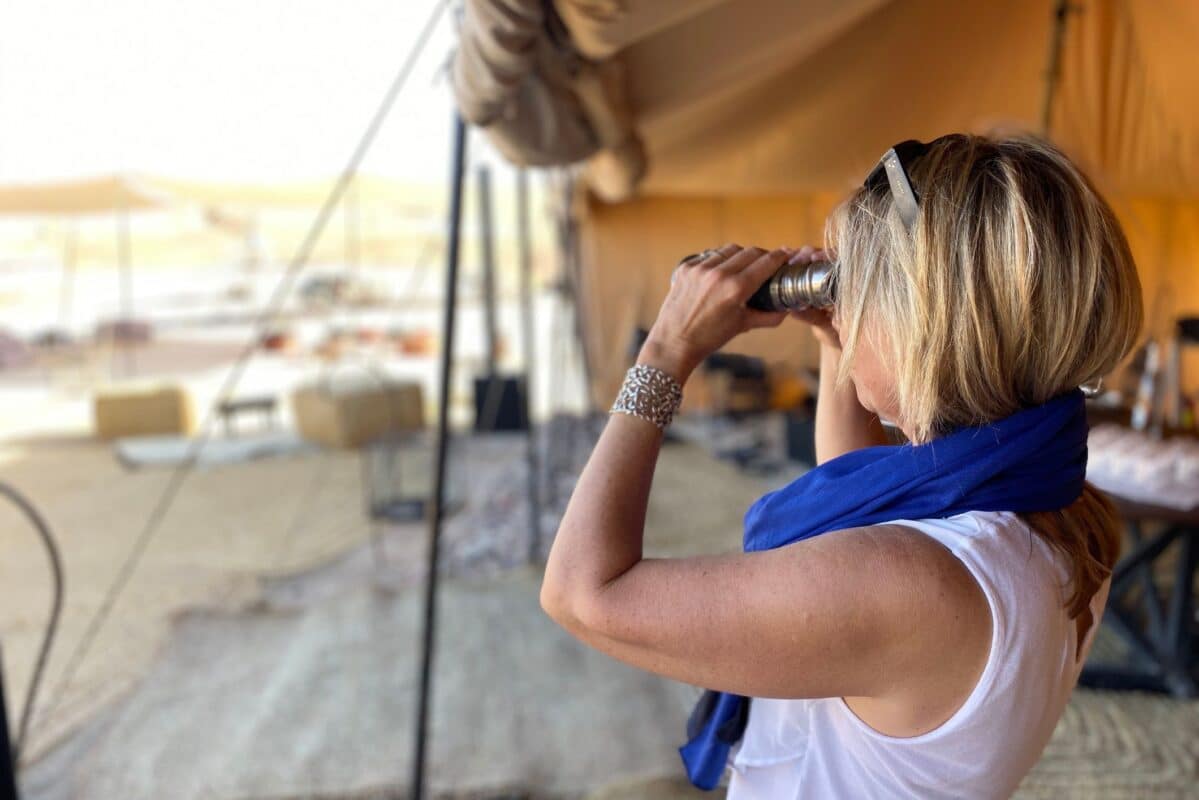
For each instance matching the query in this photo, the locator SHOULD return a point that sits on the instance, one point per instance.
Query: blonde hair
(1014, 285)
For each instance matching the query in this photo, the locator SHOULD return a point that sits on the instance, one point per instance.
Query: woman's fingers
(752, 266)
(735, 258)
(763, 319)
(758, 271)
(708, 258)
(813, 316)
(751, 256)
(740, 260)
(805, 253)
(719, 255)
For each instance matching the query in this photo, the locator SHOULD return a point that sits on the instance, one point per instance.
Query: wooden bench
(230, 410)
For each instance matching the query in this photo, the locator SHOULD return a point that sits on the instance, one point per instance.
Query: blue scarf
(1034, 460)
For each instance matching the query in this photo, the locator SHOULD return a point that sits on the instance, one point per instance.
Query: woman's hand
(705, 307)
(821, 319)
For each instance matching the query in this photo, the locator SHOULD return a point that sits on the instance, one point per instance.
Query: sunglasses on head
(891, 171)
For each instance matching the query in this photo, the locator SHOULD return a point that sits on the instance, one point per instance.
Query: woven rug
(1108, 746)
(1120, 745)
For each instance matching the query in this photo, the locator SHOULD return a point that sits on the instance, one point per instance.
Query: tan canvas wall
(639, 243)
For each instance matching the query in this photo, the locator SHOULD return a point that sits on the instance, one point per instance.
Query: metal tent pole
(487, 252)
(126, 266)
(67, 290)
(437, 500)
(572, 273)
(525, 256)
(351, 228)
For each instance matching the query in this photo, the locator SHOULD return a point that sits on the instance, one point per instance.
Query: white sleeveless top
(819, 749)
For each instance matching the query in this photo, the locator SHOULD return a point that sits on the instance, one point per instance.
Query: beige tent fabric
(496, 53)
(892, 72)
(786, 96)
(539, 102)
(512, 81)
(1129, 106)
(600, 28)
(756, 115)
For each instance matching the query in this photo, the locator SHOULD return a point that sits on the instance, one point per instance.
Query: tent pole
(487, 251)
(126, 267)
(573, 274)
(437, 498)
(1061, 11)
(66, 294)
(524, 254)
(352, 226)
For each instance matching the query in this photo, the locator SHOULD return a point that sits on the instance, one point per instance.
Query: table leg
(1164, 641)
(1153, 601)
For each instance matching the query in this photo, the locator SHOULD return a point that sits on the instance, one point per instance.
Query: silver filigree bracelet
(649, 393)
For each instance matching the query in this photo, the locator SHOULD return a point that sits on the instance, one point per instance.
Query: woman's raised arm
(854, 613)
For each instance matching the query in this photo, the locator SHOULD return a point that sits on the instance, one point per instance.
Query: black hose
(43, 530)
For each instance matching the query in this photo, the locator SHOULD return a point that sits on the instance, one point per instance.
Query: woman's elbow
(568, 605)
(556, 601)
(551, 597)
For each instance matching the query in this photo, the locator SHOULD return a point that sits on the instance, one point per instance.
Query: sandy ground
(228, 526)
(305, 687)
(264, 649)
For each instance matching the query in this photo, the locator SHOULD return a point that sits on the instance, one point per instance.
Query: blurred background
(277, 525)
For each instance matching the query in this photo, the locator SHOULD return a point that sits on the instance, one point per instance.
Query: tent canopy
(705, 121)
(787, 96)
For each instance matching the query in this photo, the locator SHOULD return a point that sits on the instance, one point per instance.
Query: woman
(910, 621)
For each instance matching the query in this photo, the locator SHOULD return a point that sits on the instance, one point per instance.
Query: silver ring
(691, 259)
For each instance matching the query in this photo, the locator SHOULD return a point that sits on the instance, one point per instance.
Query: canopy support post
(487, 256)
(66, 295)
(1053, 70)
(568, 242)
(437, 498)
(352, 227)
(524, 254)
(125, 261)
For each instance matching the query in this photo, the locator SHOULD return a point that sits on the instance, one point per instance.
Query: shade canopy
(90, 196)
(371, 190)
(112, 193)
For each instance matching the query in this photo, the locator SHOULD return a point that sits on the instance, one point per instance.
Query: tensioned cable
(272, 307)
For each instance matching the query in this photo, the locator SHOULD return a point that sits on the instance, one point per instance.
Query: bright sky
(254, 90)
